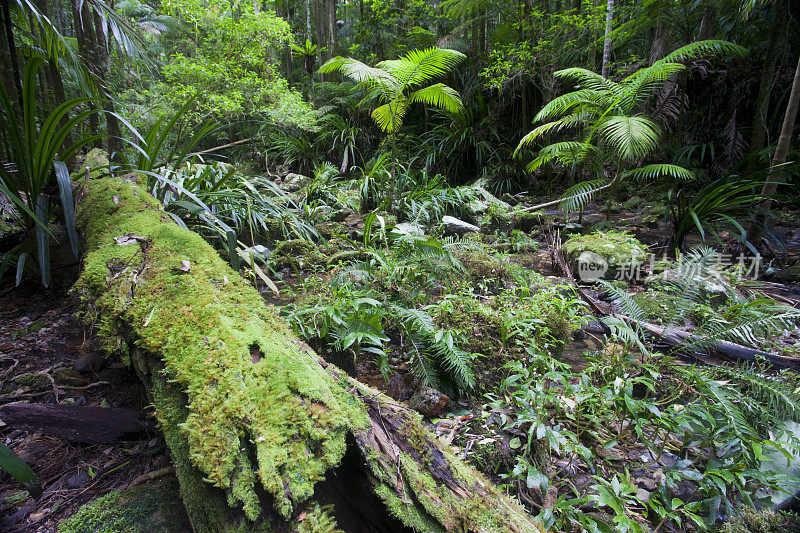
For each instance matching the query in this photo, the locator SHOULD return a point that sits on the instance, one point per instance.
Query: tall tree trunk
(104, 75)
(16, 80)
(84, 34)
(708, 24)
(759, 135)
(607, 39)
(755, 232)
(659, 44)
(308, 20)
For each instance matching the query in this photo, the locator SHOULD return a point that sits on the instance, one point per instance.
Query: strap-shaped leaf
(19, 470)
(43, 238)
(67, 203)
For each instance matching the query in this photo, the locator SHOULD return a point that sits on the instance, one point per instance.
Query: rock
(788, 275)
(572, 228)
(340, 215)
(408, 228)
(454, 226)
(68, 377)
(484, 200)
(528, 220)
(477, 207)
(615, 208)
(657, 210)
(428, 401)
(294, 182)
(632, 203)
(606, 255)
(32, 381)
(89, 362)
(78, 480)
(510, 199)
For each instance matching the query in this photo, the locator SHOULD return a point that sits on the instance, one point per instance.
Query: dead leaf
(128, 238)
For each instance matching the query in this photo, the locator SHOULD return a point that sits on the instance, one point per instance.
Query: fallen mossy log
(264, 434)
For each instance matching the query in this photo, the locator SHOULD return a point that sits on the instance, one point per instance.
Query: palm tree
(609, 127)
(400, 83)
(309, 53)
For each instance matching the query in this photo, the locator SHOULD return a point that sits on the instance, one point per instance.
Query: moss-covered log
(265, 435)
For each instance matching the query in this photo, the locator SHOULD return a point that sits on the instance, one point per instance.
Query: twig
(153, 474)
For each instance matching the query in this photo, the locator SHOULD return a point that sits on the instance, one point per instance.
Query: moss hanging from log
(254, 419)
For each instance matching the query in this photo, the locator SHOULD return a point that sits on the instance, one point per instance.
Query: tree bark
(104, 75)
(755, 232)
(758, 137)
(15, 87)
(607, 40)
(84, 424)
(262, 431)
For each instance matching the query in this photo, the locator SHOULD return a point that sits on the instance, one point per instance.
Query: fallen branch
(88, 425)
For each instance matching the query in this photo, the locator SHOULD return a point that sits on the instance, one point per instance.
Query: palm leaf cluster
(399, 83)
(605, 121)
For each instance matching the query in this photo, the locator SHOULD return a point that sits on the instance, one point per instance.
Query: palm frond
(576, 197)
(421, 66)
(657, 170)
(438, 95)
(704, 49)
(631, 136)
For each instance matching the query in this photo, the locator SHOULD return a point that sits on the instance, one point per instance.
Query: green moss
(528, 220)
(297, 253)
(150, 508)
(318, 519)
(751, 520)
(245, 407)
(284, 407)
(620, 250)
(32, 381)
(660, 307)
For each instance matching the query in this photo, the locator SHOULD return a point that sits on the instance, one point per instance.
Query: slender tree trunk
(660, 36)
(759, 135)
(308, 20)
(593, 46)
(104, 74)
(708, 25)
(755, 232)
(607, 39)
(12, 52)
(86, 48)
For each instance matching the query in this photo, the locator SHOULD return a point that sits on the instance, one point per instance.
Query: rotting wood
(82, 424)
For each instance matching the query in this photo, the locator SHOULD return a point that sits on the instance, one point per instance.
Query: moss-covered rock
(151, 508)
(788, 275)
(527, 221)
(606, 254)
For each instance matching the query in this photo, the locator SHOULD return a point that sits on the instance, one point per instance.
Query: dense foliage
(394, 169)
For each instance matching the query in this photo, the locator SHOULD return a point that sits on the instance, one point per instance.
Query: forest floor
(48, 356)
